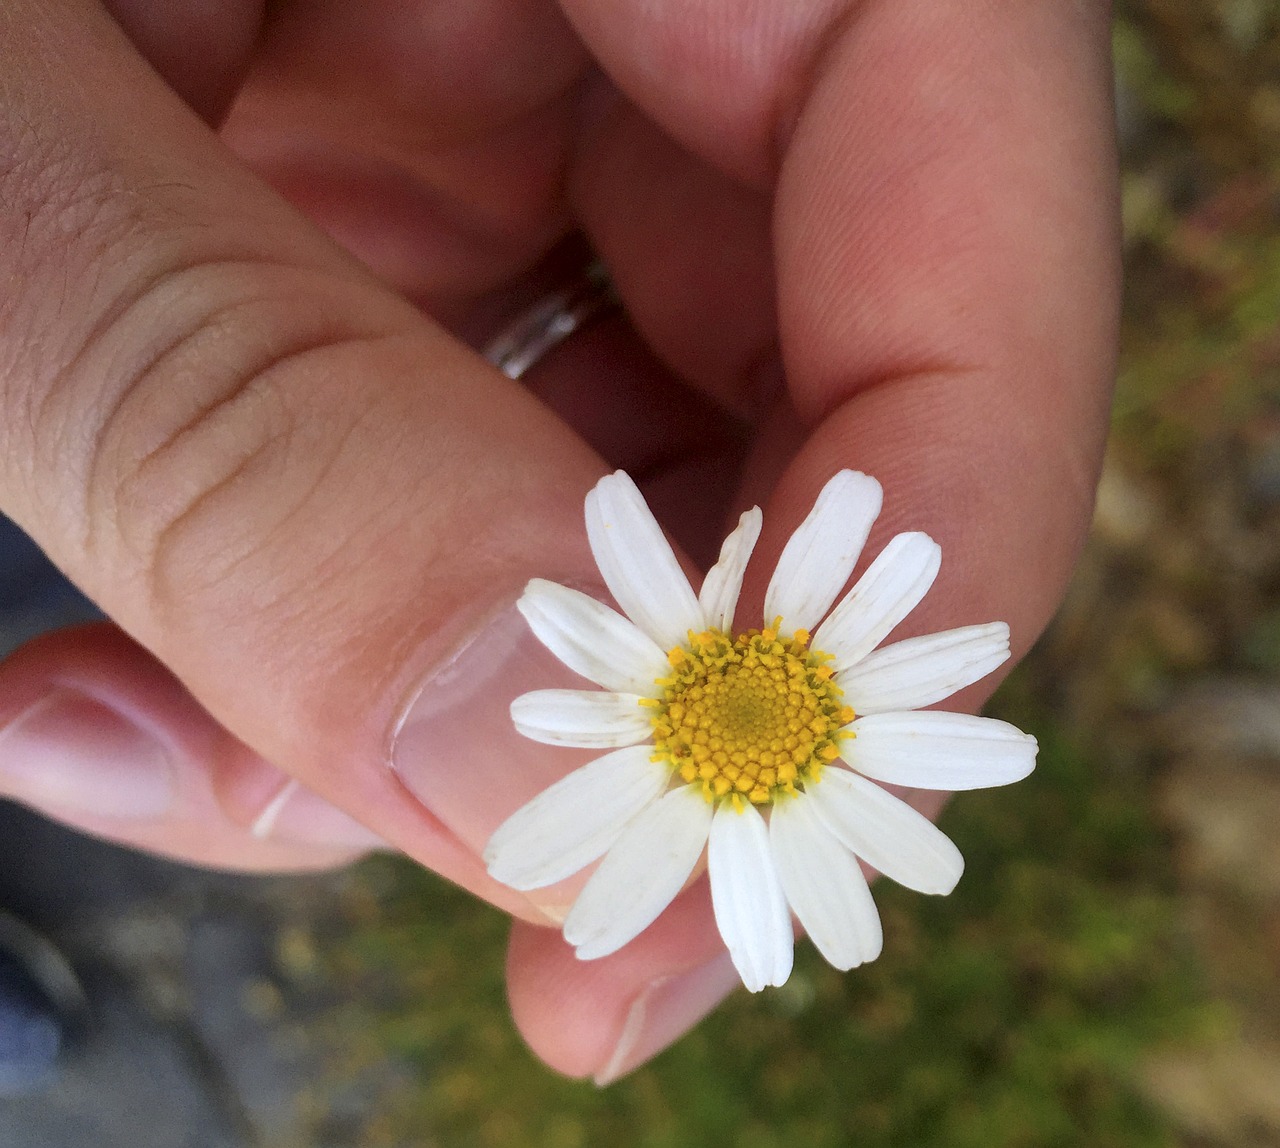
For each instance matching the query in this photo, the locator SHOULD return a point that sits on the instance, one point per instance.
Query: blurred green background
(1107, 972)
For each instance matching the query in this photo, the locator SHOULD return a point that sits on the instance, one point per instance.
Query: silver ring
(550, 321)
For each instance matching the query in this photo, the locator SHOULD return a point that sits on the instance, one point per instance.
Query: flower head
(762, 745)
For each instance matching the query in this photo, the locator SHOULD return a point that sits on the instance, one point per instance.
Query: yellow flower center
(751, 717)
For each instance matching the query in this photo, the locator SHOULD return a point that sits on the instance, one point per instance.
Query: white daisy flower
(762, 747)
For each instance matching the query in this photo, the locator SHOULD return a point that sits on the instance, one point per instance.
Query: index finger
(949, 286)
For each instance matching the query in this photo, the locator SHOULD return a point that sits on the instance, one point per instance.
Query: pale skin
(883, 234)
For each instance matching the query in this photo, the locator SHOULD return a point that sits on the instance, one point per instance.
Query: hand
(298, 498)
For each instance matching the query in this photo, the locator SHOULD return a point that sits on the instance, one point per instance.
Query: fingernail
(456, 750)
(70, 752)
(298, 815)
(665, 1010)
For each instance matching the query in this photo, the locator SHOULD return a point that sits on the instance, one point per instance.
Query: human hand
(298, 498)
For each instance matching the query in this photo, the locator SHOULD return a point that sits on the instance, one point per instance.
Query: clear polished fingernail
(665, 1010)
(456, 750)
(70, 752)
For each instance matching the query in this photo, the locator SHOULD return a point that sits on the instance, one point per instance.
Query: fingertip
(96, 734)
(602, 1019)
(568, 1018)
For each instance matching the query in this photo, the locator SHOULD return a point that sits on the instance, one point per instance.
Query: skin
(237, 405)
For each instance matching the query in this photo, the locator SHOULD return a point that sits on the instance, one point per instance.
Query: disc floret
(751, 718)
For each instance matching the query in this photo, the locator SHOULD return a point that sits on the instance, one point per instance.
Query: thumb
(279, 479)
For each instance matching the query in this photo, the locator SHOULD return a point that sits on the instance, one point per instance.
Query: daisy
(760, 746)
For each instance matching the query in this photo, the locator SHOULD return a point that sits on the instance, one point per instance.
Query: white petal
(591, 639)
(641, 875)
(819, 557)
(588, 719)
(637, 563)
(891, 588)
(939, 750)
(886, 832)
(723, 583)
(751, 910)
(571, 823)
(824, 885)
(921, 671)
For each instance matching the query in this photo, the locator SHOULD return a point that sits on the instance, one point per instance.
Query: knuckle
(154, 370)
(219, 422)
(178, 398)
(63, 215)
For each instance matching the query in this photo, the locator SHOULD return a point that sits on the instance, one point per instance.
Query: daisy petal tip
(505, 865)
(606, 482)
(637, 563)
(498, 867)
(538, 594)
(591, 951)
(854, 488)
(851, 479)
(583, 939)
(1029, 762)
(587, 947)
(756, 979)
(928, 548)
(855, 961)
(781, 974)
(823, 550)
(723, 583)
(1025, 761)
(947, 877)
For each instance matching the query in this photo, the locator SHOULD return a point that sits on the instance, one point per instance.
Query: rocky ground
(190, 1040)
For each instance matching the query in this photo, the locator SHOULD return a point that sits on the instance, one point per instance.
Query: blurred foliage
(1200, 88)
(1019, 1011)
(1210, 69)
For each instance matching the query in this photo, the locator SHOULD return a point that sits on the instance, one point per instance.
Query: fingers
(429, 138)
(300, 497)
(945, 201)
(96, 734)
(948, 286)
(690, 251)
(201, 50)
(945, 226)
(723, 78)
(604, 1018)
